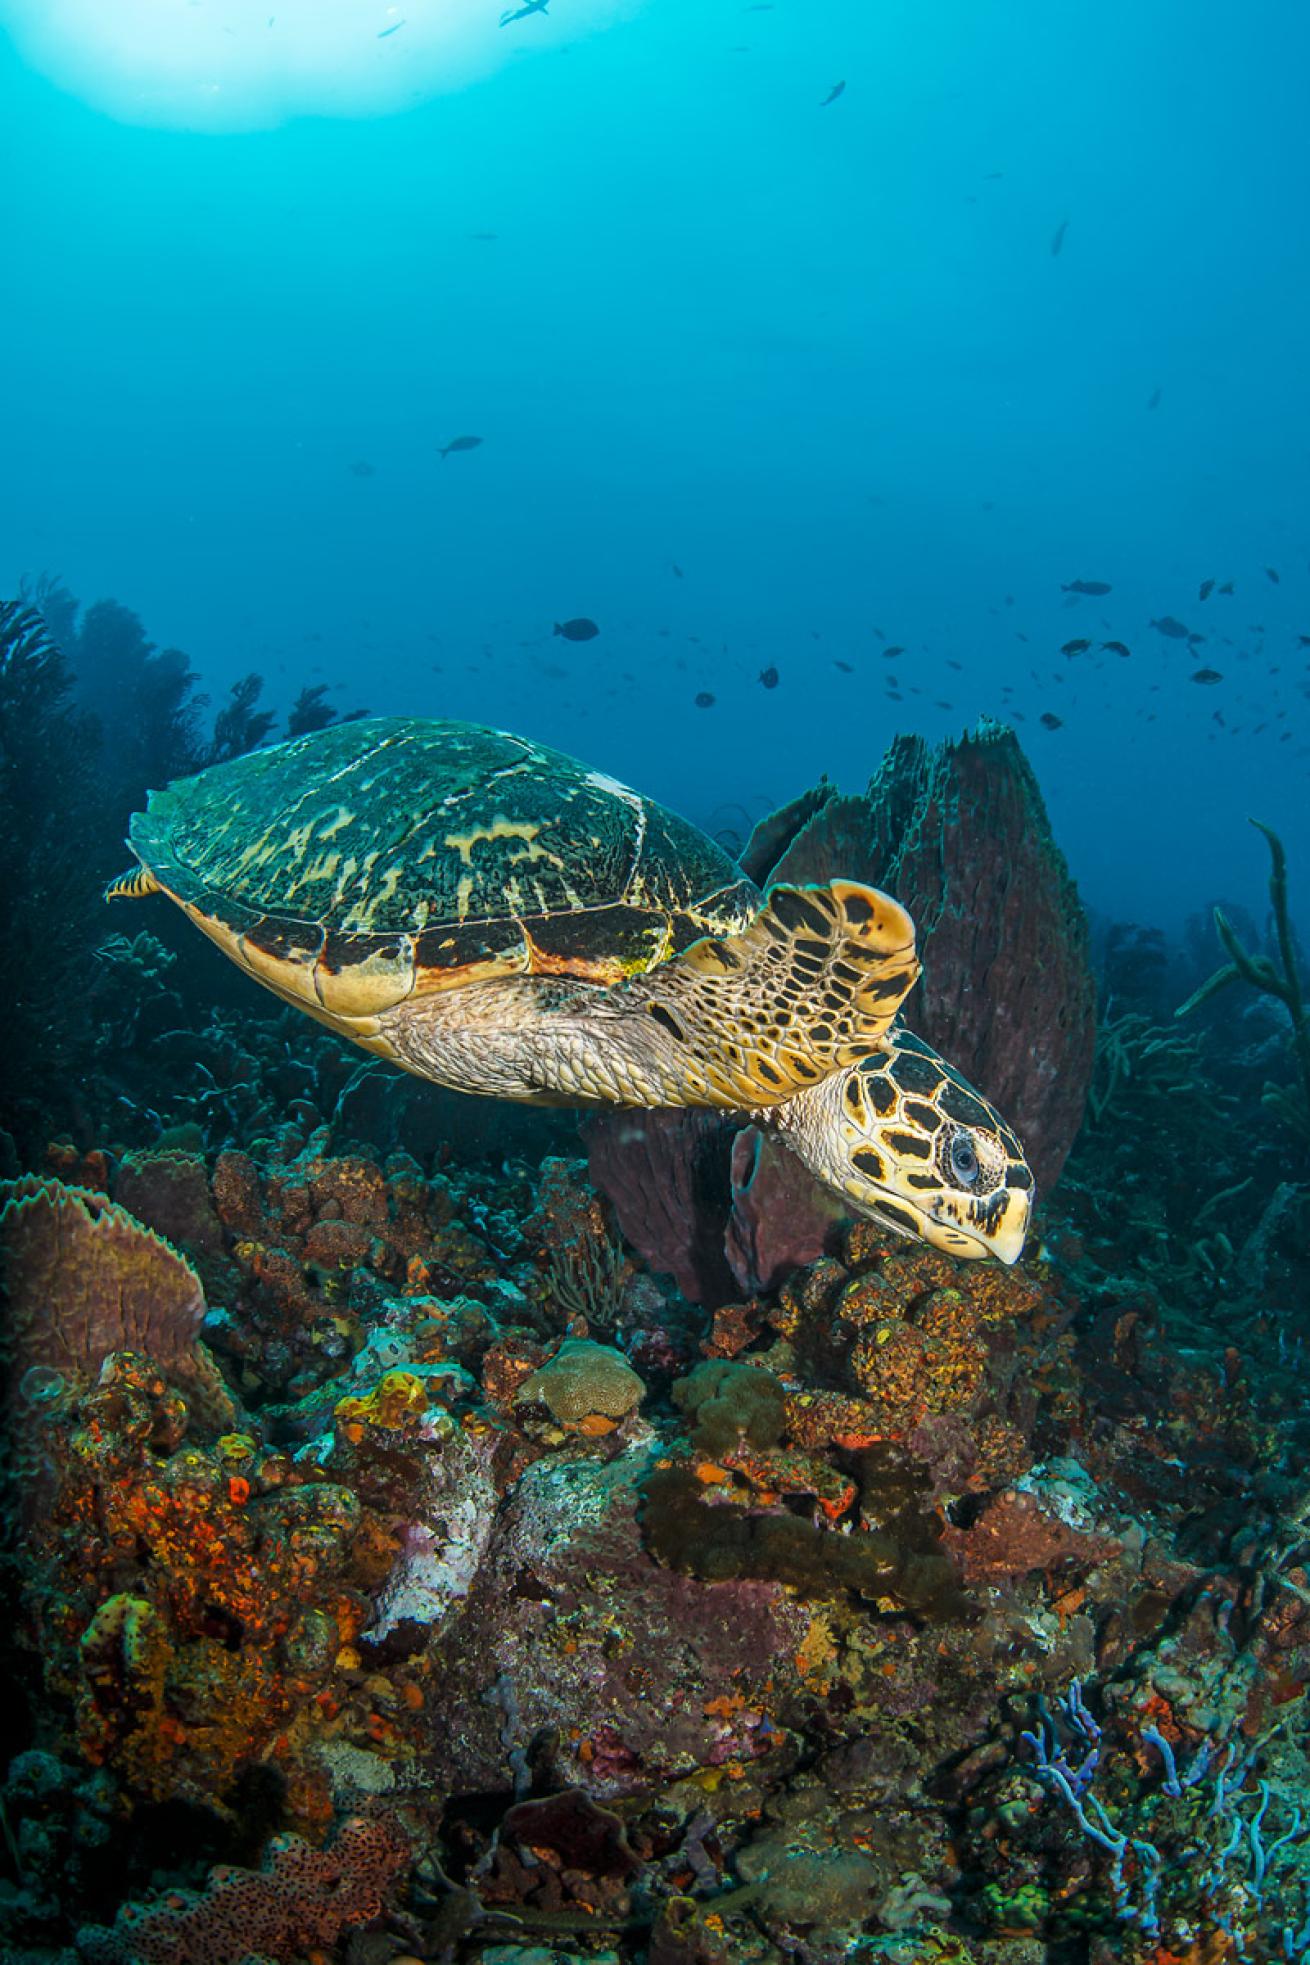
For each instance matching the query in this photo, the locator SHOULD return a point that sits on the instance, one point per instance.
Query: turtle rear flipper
(812, 984)
(133, 885)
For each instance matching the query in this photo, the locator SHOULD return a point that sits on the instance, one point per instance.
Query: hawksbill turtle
(495, 916)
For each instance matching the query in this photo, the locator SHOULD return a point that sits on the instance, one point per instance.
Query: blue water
(823, 360)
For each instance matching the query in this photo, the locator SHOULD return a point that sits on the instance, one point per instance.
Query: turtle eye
(964, 1161)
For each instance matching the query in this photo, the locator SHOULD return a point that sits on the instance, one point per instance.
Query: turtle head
(928, 1155)
(907, 1142)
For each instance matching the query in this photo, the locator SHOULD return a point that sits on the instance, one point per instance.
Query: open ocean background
(755, 378)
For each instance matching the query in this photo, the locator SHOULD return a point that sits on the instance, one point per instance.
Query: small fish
(522, 13)
(1304, 640)
(1153, 400)
(704, 700)
(1272, 573)
(1057, 237)
(393, 29)
(892, 652)
(1167, 625)
(1227, 587)
(460, 443)
(1049, 721)
(832, 94)
(1094, 587)
(675, 569)
(770, 677)
(845, 667)
(579, 629)
(1079, 647)
(1117, 647)
(1207, 675)
(362, 469)
(1205, 590)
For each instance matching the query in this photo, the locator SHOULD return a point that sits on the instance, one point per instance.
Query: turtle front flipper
(751, 1019)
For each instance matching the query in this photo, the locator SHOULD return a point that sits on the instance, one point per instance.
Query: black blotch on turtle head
(963, 1107)
(879, 1090)
(915, 1073)
(898, 1217)
(868, 1162)
(910, 1145)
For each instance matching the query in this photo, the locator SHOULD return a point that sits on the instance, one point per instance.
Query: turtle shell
(351, 868)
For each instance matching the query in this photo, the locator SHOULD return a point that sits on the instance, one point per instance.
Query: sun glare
(252, 64)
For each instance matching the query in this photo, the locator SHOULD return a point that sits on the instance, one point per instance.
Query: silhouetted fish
(1227, 587)
(1048, 721)
(893, 651)
(1205, 590)
(1057, 237)
(769, 677)
(1078, 647)
(362, 469)
(704, 701)
(1167, 625)
(845, 667)
(832, 94)
(1086, 587)
(1271, 573)
(1153, 400)
(1207, 675)
(460, 443)
(1117, 647)
(393, 29)
(580, 629)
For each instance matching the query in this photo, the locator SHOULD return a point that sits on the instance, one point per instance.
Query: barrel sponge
(85, 1278)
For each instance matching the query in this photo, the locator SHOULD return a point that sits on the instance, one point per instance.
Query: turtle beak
(1006, 1239)
(997, 1227)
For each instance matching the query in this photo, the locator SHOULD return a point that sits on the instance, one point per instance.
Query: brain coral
(581, 1379)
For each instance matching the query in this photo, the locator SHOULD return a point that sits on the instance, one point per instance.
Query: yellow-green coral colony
(497, 917)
